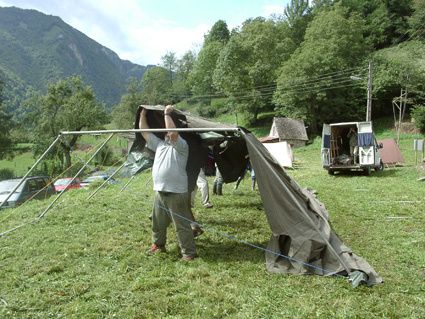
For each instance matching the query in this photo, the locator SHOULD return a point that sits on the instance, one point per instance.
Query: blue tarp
(365, 139)
(326, 141)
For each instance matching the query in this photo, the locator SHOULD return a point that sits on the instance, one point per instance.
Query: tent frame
(98, 132)
(113, 132)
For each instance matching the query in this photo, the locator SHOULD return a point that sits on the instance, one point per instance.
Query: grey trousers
(173, 207)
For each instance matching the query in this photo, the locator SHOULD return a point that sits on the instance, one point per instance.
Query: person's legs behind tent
(202, 184)
(218, 183)
(253, 179)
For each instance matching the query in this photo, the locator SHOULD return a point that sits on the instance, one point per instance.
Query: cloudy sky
(144, 30)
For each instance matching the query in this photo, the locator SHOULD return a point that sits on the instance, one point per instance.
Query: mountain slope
(38, 49)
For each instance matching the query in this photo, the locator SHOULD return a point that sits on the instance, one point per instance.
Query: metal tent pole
(75, 176)
(126, 184)
(154, 130)
(107, 180)
(30, 170)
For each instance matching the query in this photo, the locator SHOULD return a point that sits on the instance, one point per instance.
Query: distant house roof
(288, 129)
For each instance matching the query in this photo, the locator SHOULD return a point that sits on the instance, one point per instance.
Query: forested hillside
(311, 63)
(38, 49)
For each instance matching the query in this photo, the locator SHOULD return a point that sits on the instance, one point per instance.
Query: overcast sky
(142, 31)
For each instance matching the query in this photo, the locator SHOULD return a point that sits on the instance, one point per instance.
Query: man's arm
(169, 123)
(143, 124)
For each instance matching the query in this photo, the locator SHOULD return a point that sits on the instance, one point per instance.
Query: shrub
(418, 114)
(207, 111)
(105, 157)
(54, 169)
(221, 106)
(49, 167)
(75, 169)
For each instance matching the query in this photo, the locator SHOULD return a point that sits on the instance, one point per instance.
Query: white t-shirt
(169, 166)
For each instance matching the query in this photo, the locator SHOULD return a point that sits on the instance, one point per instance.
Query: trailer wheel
(367, 171)
(331, 171)
(380, 167)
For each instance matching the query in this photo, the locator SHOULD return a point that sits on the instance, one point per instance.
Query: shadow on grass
(231, 251)
(232, 226)
(229, 206)
(385, 173)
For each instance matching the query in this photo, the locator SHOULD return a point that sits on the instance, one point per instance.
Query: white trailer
(350, 146)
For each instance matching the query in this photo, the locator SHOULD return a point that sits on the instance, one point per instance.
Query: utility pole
(401, 104)
(369, 94)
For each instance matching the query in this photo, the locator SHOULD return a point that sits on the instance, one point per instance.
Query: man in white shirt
(170, 186)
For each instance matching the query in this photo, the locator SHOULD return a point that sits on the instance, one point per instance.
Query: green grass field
(20, 164)
(86, 258)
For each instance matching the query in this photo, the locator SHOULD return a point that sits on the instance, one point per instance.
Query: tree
(69, 105)
(333, 44)
(385, 21)
(6, 125)
(322, 4)
(219, 32)
(156, 86)
(295, 10)
(399, 11)
(123, 113)
(181, 85)
(201, 77)
(396, 68)
(246, 68)
(297, 14)
(417, 20)
(418, 114)
(169, 62)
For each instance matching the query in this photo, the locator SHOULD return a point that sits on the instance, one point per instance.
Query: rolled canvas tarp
(299, 224)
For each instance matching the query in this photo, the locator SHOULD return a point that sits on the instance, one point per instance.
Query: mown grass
(86, 258)
(19, 164)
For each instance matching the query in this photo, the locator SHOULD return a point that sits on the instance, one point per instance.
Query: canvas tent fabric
(229, 153)
(298, 221)
(300, 225)
(281, 151)
(138, 159)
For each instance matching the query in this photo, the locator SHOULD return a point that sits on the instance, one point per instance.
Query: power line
(336, 78)
(331, 77)
(321, 87)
